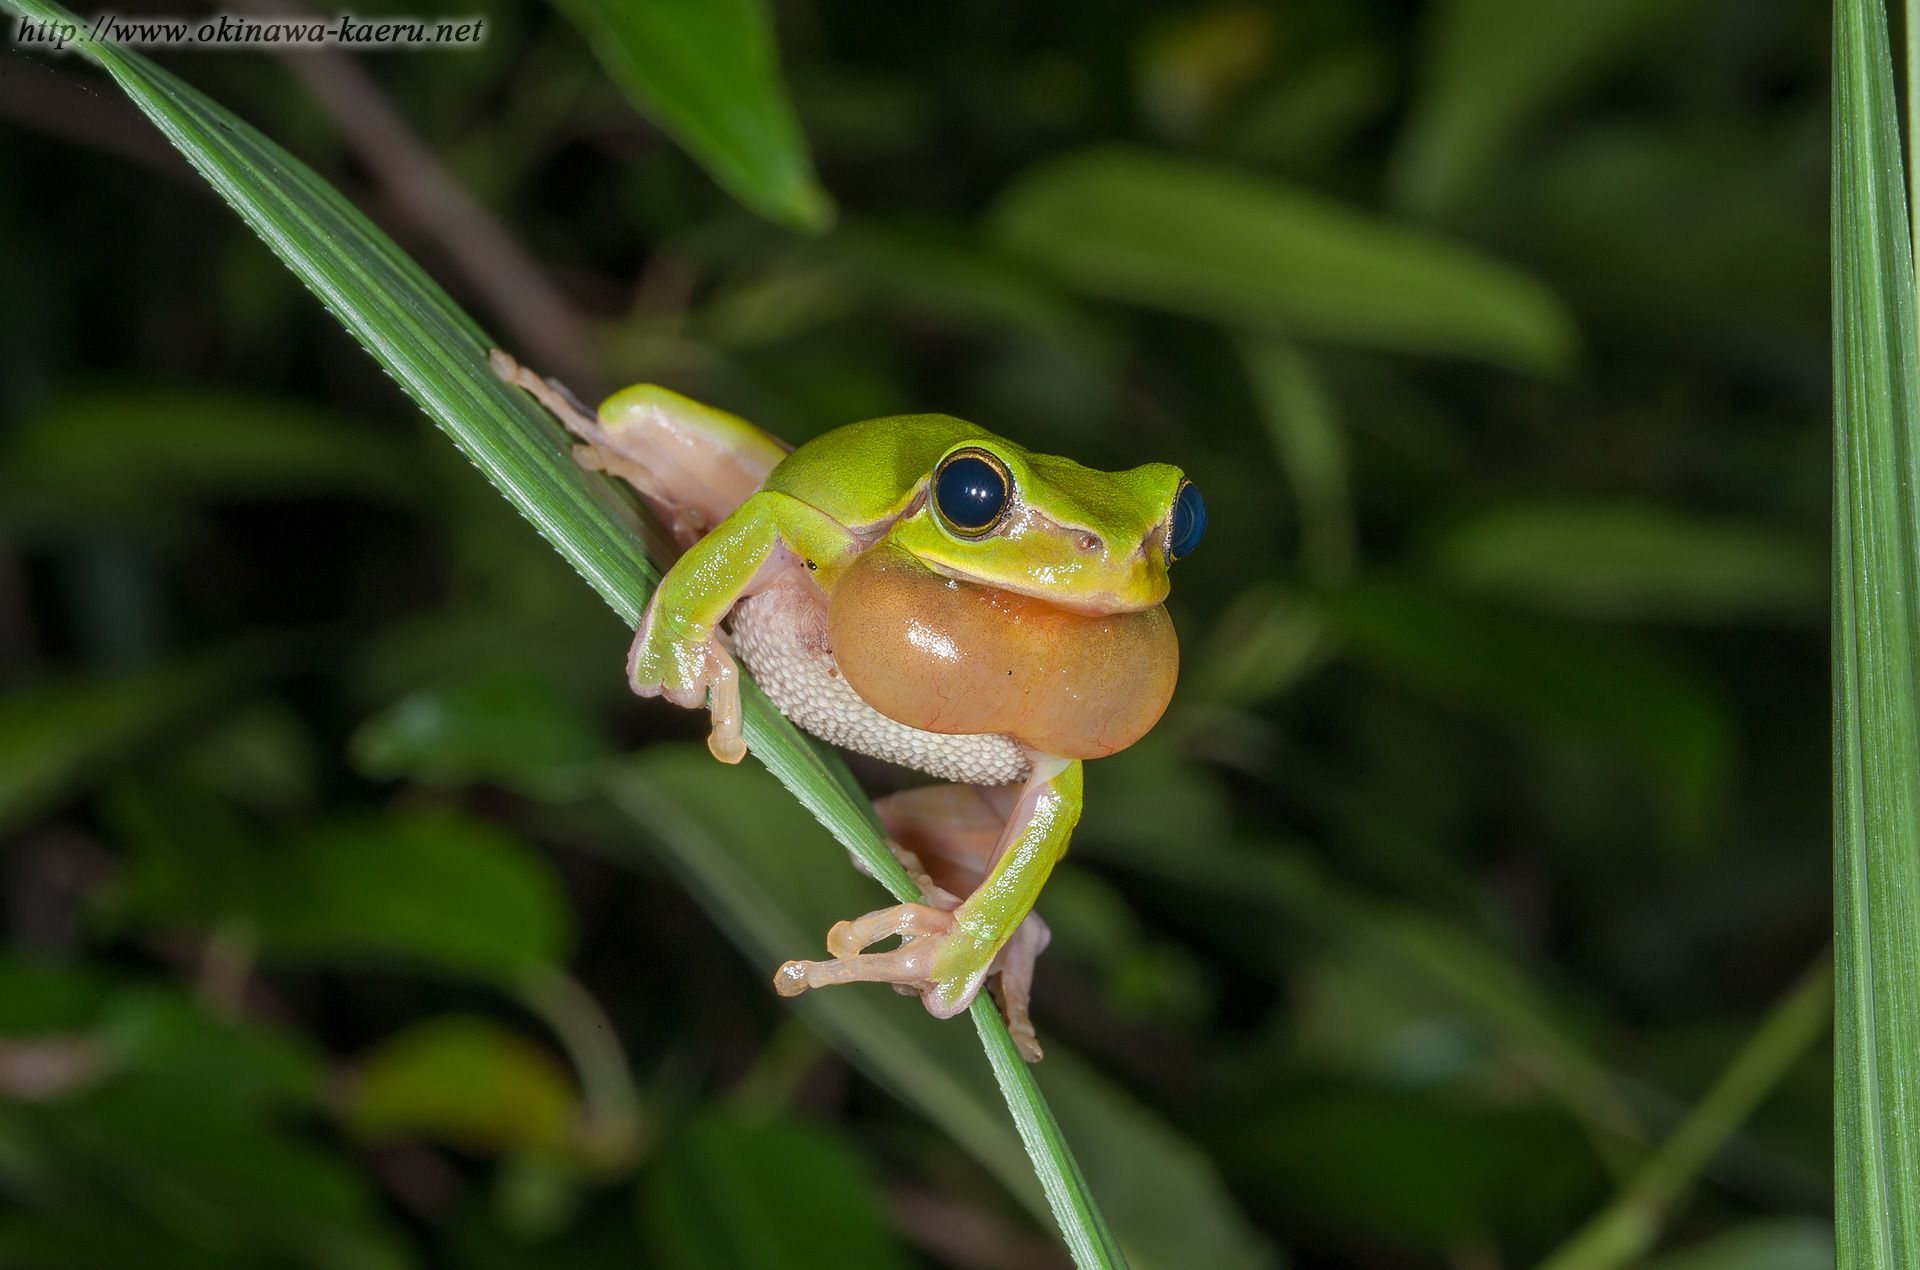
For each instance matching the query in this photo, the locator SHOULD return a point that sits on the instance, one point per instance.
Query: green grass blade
(438, 356)
(773, 881)
(1876, 636)
(1626, 1230)
(766, 883)
(1912, 69)
(1080, 1221)
(433, 350)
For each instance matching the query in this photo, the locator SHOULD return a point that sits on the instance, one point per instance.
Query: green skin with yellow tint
(1065, 585)
(827, 501)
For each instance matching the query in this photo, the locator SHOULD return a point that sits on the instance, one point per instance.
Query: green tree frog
(918, 589)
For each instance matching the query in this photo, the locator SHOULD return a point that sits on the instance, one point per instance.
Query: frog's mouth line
(1098, 604)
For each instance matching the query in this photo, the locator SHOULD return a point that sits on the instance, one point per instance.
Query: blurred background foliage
(356, 915)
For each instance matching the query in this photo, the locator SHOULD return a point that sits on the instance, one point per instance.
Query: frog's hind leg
(692, 463)
(1012, 982)
(948, 837)
(950, 831)
(551, 393)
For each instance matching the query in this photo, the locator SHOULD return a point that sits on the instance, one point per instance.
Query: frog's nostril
(1089, 542)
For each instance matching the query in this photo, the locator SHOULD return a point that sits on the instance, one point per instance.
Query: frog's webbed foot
(910, 965)
(690, 673)
(956, 840)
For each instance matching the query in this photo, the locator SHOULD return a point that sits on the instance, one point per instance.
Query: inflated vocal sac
(956, 657)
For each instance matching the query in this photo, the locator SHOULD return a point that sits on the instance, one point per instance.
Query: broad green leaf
(463, 1080)
(124, 452)
(1622, 560)
(948, 277)
(1488, 67)
(708, 71)
(55, 737)
(455, 894)
(1875, 638)
(728, 1195)
(508, 727)
(242, 1065)
(438, 355)
(192, 858)
(221, 1177)
(775, 882)
(1220, 243)
(1558, 676)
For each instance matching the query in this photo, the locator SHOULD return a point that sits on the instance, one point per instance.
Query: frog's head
(1087, 541)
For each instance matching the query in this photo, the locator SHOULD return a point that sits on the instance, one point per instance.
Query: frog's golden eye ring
(1189, 521)
(972, 490)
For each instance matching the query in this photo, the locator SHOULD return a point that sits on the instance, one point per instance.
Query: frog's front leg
(677, 651)
(944, 955)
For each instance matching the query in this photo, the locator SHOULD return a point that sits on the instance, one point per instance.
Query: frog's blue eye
(1189, 521)
(971, 491)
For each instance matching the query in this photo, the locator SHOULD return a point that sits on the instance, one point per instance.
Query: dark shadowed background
(357, 916)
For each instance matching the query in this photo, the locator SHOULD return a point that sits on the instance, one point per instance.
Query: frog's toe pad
(848, 940)
(910, 964)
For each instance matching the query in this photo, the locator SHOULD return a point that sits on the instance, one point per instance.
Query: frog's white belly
(781, 634)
